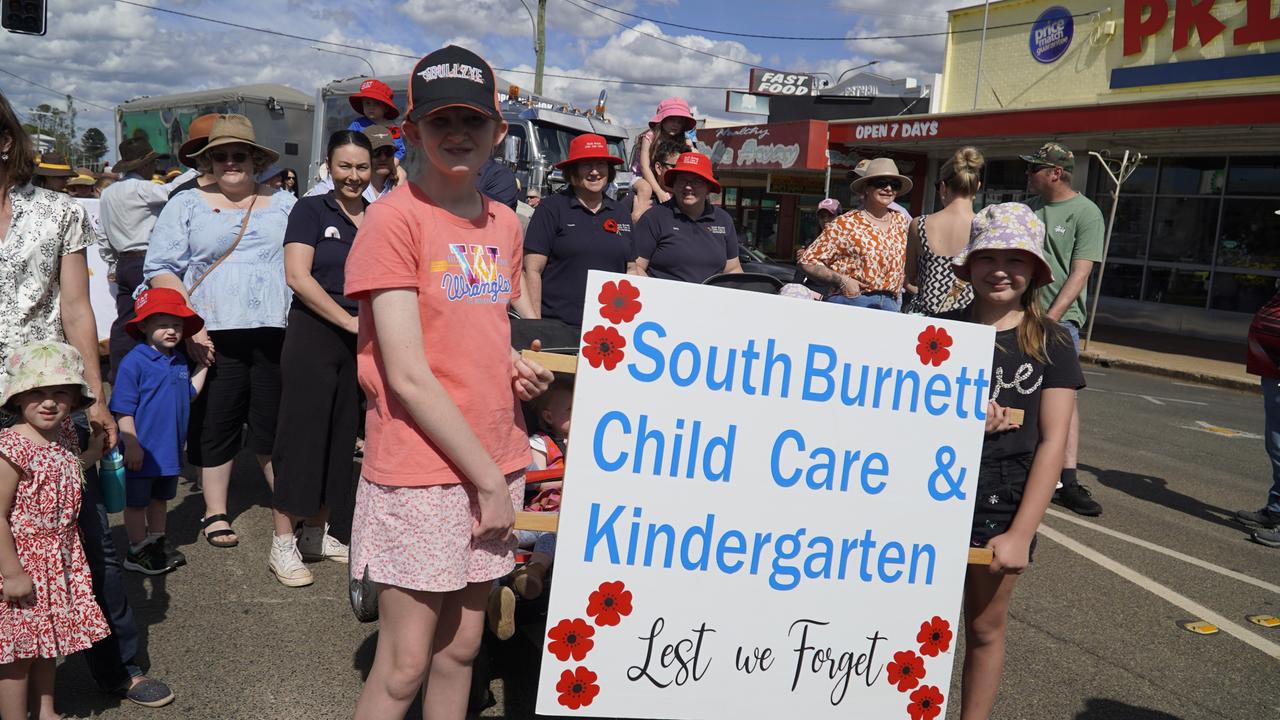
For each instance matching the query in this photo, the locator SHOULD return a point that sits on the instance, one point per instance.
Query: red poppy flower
(577, 688)
(609, 604)
(619, 301)
(611, 225)
(906, 670)
(926, 703)
(571, 638)
(604, 346)
(933, 344)
(934, 636)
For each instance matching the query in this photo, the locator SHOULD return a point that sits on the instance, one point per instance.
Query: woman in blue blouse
(239, 288)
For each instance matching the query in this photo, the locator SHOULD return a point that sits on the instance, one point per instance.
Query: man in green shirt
(1074, 231)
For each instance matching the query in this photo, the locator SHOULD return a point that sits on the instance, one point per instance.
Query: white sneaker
(315, 543)
(286, 562)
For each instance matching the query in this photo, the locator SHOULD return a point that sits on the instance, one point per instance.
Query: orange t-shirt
(465, 271)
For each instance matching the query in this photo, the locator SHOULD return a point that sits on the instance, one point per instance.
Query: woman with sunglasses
(645, 194)
(222, 247)
(862, 254)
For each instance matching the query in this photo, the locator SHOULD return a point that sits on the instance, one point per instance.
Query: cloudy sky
(106, 51)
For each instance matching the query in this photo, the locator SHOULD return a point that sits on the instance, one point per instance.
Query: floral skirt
(419, 538)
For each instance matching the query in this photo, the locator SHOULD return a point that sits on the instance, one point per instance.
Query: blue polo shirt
(575, 240)
(679, 247)
(156, 390)
(319, 222)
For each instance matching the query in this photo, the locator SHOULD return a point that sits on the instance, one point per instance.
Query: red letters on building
(1135, 28)
(1189, 14)
(1260, 25)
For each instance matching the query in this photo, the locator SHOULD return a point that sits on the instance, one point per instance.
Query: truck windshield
(554, 143)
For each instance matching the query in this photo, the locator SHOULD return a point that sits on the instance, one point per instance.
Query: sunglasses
(384, 152)
(235, 157)
(1033, 169)
(533, 197)
(882, 183)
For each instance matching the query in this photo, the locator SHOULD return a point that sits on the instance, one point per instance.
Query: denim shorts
(1000, 487)
(1073, 329)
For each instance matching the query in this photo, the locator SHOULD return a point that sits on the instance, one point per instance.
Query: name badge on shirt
(717, 230)
(623, 227)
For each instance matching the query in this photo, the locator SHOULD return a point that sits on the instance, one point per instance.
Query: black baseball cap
(379, 137)
(452, 77)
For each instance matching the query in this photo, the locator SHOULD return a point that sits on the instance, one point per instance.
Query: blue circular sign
(1051, 34)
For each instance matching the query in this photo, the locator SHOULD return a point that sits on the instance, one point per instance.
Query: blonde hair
(962, 174)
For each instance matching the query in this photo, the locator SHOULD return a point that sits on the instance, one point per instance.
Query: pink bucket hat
(673, 107)
(1007, 226)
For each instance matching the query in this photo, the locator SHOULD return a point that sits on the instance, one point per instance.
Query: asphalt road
(1094, 633)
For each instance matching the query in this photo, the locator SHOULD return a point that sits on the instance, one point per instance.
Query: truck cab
(538, 135)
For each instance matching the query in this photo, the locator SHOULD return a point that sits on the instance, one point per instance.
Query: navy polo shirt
(679, 247)
(575, 240)
(319, 222)
(156, 390)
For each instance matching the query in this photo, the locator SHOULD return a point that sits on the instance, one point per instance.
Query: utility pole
(540, 46)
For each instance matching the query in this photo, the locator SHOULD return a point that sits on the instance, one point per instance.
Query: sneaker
(148, 560)
(1263, 518)
(1270, 538)
(1078, 499)
(286, 562)
(315, 543)
(147, 692)
(528, 580)
(501, 612)
(173, 556)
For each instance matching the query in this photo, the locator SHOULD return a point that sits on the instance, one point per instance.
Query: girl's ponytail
(1036, 331)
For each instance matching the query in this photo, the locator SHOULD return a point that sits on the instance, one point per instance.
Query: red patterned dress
(62, 617)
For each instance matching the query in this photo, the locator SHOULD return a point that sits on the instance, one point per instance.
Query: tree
(93, 145)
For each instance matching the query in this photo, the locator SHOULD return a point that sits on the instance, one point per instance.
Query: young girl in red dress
(49, 608)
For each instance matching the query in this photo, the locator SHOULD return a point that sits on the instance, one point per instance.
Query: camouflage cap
(1051, 153)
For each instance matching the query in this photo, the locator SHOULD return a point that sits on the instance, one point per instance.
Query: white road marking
(1153, 399)
(1165, 593)
(1205, 564)
(1202, 426)
(1090, 372)
(1193, 385)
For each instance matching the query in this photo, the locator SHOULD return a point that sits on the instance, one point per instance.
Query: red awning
(800, 145)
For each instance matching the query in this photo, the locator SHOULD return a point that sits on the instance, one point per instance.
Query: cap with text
(452, 77)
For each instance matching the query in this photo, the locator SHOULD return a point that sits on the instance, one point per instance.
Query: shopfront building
(1195, 88)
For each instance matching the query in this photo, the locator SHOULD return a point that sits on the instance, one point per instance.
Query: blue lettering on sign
(1051, 34)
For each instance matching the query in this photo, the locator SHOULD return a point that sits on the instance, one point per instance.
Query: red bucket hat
(696, 163)
(588, 147)
(375, 90)
(157, 301)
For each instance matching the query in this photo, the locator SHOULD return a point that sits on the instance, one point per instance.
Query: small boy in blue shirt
(151, 399)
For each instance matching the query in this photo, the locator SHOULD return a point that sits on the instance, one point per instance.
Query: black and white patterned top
(938, 290)
(46, 226)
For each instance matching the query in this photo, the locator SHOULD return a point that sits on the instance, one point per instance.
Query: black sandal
(211, 536)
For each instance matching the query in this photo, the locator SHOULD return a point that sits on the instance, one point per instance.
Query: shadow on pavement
(1156, 490)
(1104, 709)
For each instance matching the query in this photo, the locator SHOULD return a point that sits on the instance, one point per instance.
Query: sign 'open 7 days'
(767, 507)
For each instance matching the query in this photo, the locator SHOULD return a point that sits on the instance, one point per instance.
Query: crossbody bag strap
(244, 224)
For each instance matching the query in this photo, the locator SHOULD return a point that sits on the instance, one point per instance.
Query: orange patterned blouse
(873, 253)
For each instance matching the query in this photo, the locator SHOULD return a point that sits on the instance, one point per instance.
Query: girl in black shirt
(1034, 370)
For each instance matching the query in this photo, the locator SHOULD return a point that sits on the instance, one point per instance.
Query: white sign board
(766, 510)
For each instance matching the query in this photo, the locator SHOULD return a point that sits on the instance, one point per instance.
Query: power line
(59, 93)
(731, 33)
(651, 35)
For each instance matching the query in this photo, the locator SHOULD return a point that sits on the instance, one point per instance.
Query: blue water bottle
(111, 477)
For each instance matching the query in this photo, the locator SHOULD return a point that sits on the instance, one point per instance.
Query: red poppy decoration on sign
(609, 603)
(577, 688)
(934, 636)
(906, 670)
(611, 226)
(932, 346)
(571, 638)
(603, 347)
(926, 703)
(619, 301)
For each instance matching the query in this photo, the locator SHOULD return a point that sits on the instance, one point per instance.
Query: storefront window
(1192, 176)
(1133, 218)
(1241, 293)
(767, 227)
(1176, 286)
(1254, 176)
(1250, 235)
(1122, 281)
(1141, 182)
(1184, 230)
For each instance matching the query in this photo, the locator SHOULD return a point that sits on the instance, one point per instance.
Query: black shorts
(1000, 487)
(243, 386)
(139, 492)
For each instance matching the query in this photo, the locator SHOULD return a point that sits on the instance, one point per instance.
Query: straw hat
(234, 130)
(197, 136)
(880, 168)
(45, 363)
(54, 165)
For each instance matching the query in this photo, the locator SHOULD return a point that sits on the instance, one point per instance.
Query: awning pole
(977, 80)
(1118, 179)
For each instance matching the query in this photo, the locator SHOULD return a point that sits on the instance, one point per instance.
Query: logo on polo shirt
(332, 233)
(624, 227)
(479, 278)
(717, 230)
(1059, 229)
(460, 71)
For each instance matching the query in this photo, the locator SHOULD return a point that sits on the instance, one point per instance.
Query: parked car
(754, 261)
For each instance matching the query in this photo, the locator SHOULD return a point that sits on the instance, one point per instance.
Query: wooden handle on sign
(549, 522)
(555, 362)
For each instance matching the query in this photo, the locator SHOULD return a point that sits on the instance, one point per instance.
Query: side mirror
(511, 151)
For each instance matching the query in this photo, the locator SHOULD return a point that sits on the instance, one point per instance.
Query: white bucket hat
(45, 363)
